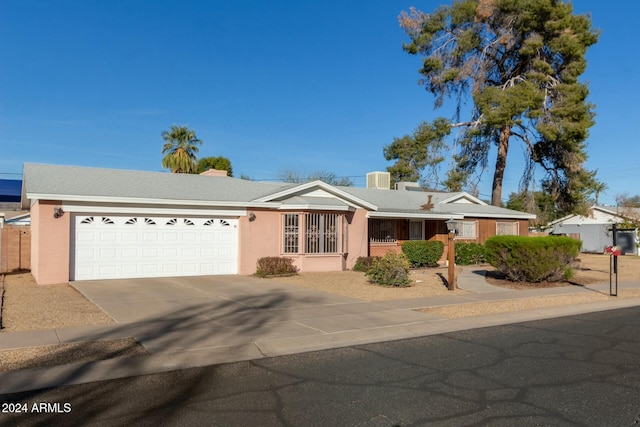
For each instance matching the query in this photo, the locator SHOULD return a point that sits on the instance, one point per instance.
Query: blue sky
(272, 85)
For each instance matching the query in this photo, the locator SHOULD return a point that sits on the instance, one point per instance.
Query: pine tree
(518, 62)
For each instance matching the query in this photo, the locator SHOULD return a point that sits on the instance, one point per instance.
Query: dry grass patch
(424, 283)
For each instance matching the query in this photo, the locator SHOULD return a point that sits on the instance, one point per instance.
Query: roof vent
(379, 180)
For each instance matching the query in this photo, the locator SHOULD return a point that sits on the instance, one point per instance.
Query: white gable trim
(314, 186)
(463, 195)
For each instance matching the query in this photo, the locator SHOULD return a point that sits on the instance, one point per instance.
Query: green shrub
(470, 253)
(390, 270)
(421, 253)
(533, 259)
(275, 266)
(364, 263)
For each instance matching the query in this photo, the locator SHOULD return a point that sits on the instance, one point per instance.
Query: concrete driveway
(188, 313)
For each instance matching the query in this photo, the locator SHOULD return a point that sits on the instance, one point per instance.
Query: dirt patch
(29, 307)
(55, 355)
(424, 283)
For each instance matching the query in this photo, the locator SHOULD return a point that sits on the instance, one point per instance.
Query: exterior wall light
(252, 216)
(57, 212)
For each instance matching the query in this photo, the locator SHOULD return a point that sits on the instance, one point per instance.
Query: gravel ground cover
(55, 355)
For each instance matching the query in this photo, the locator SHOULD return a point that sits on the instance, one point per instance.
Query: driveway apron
(204, 312)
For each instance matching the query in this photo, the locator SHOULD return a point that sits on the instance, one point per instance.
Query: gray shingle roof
(56, 181)
(86, 182)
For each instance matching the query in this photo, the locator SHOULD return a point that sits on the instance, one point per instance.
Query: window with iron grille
(467, 229)
(416, 230)
(291, 233)
(382, 230)
(321, 233)
(507, 228)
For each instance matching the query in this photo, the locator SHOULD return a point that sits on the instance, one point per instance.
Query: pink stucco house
(91, 223)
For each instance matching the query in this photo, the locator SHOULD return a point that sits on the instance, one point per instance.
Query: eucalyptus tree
(512, 68)
(180, 149)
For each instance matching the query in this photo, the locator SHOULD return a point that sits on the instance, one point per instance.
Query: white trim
(108, 199)
(316, 207)
(153, 211)
(401, 215)
(322, 185)
(463, 195)
(500, 216)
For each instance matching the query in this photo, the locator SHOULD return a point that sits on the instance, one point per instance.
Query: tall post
(452, 260)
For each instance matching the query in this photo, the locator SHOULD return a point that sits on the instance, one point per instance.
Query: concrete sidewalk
(192, 339)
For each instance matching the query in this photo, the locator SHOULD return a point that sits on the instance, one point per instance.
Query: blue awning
(10, 190)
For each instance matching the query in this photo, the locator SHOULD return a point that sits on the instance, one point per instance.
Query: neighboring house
(17, 218)
(90, 223)
(595, 229)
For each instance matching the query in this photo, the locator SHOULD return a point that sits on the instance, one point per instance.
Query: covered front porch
(387, 234)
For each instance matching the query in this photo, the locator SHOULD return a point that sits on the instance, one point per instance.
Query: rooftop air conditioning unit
(379, 180)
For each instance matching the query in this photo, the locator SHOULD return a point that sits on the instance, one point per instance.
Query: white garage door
(115, 247)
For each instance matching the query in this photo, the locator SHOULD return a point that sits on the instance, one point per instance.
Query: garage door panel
(120, 247)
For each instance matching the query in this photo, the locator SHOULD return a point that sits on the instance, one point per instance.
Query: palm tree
(597, 188)
(180, 148)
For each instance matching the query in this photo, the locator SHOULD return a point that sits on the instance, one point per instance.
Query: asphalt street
(578, 370)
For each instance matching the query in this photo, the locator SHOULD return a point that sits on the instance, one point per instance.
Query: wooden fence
(15, 248)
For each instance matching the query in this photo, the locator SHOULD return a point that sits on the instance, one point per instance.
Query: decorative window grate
(507, 228)
(88, 220)
(224, 223)
(467, 229)
(106, 220)
(321, 233)
(416, 230)
(209, 222)
(172, 221)
(131, 221)
(291, 233)
(149, 221)
(187, 221)
(382, 230)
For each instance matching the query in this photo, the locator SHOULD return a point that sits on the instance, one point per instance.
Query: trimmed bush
(390, 270)
(533, 259)
(275, 266)
(364, 263)
(421, 253)
(470, 253)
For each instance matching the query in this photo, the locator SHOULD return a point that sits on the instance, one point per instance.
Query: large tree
(219, 163)
(413, 153)
(180, 149)
(518, 63)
